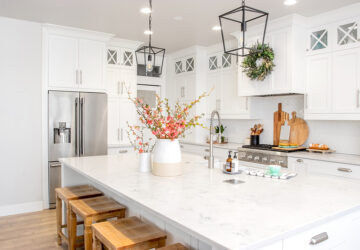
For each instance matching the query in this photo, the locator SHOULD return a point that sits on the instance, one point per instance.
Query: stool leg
(88, 233)
(58, 218)
(96, 243)
(72, 229)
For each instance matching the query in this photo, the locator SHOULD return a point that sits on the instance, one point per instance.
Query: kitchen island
(201, 211)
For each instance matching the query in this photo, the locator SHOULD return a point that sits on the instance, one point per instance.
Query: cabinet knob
(300, 160)
(123, 151)
(319, 238)
(207, 150)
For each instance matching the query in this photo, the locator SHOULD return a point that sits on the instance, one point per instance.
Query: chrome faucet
(211, 156)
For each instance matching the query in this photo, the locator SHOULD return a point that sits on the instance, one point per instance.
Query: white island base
(200, 211)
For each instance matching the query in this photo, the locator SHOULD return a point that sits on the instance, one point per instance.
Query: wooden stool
(67, 194)
(92, 210)
(176, 246)
(128, 233)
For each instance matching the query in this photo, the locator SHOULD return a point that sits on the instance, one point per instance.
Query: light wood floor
(29, 231)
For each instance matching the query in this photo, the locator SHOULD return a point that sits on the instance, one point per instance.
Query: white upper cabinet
(287, 38)
(91, 64)
(317, 97)
(184, 65)
(333, 66)
(63, 62)
(222, 80)
(120, 82)
(345, 87)
(74, 58)
(121, 56)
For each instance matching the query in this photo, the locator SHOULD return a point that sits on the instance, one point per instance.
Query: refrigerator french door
(77, 127)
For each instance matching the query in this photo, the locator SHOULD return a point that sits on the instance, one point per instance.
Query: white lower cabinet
(339, 234)
(324, 167)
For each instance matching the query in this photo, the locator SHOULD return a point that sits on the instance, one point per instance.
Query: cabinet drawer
(122, 150)
(324, 237)
(324, 167)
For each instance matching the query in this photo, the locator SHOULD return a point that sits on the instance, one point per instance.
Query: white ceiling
(123, 18)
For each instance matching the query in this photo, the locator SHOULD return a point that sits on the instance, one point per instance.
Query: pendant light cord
(150, 19)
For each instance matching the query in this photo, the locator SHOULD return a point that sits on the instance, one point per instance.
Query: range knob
(272, 160)
(257, 158)
(264, 159)
(250, 157)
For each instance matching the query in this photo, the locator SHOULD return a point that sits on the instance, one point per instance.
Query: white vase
(145, 162)
(167, 158)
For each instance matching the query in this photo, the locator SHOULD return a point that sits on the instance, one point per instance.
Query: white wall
(343, 136)
(20, 109)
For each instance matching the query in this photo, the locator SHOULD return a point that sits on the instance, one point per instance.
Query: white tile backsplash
(343, 136)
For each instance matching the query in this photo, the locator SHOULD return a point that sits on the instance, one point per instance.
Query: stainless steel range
(263, 154)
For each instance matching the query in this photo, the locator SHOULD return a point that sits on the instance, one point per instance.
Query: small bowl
(274, 170)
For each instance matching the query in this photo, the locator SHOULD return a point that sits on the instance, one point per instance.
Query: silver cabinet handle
(318, 238)
(118, 87)
(358, 98)
(247, 103)
(122, 135)
(207, 150)
(300, 160)
(118, 134)
(306, 100)
(182, 92)
(80, 76)
(347, 170)
(122, 87)
(181, 146)
(123, 151)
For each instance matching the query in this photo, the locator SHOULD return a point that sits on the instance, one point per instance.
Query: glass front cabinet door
(347, 34)
(318, 40)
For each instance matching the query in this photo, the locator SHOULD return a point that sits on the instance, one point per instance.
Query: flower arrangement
(137, 140)
(166, 122)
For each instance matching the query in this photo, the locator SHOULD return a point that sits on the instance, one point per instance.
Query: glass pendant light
(235, 23)
(150, 56)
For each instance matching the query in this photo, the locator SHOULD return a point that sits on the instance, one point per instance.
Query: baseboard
(21, 208)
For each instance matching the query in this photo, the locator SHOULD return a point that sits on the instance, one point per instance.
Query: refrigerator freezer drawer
(54, 181)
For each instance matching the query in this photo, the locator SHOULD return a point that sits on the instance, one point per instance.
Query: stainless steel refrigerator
(77, 127)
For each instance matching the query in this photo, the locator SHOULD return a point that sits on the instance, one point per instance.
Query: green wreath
(259, 63)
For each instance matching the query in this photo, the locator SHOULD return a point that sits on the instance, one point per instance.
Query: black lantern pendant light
(238, 19)
(149, 56)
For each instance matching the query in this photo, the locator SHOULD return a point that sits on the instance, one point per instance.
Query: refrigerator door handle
(82, 126)
(76, 125)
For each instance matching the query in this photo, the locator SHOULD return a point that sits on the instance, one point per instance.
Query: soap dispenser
(235, 164)
(229, 163)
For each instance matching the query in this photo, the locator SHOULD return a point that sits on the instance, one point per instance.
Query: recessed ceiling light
(216, 28)
(290, 2)
(145, 10)
(178, 18)
(148, 32)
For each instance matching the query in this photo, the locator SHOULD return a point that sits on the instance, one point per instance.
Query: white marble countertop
(243, 216)
(332, 157)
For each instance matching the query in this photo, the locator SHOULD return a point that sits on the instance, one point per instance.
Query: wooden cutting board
(279, 120)
(299, 130)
